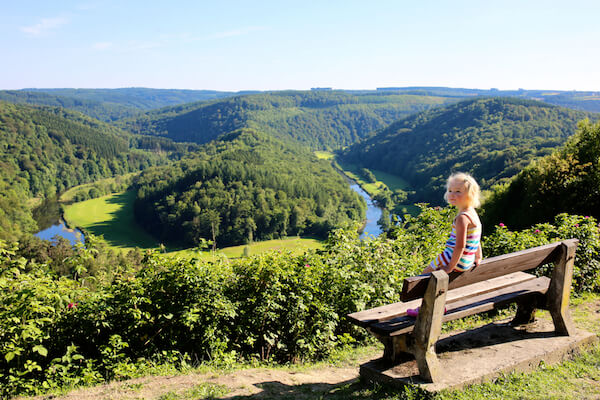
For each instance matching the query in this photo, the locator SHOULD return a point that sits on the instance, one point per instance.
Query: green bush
(586, 273)
(273, 306)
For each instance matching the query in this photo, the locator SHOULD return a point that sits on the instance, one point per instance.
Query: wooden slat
(466, 307)
(524, 260)
(394, 310)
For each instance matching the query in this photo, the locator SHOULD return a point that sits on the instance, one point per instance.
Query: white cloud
(102, 45)
(236, 32)
(45, 25)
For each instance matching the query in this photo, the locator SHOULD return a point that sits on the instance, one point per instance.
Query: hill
(568, 180)
(493, 138)
(247, 186)
(319, 119)
(45, 150)
(576, 100)
(101, 110)
(140, 98)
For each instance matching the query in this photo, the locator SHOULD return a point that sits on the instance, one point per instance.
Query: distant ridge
(494, 138)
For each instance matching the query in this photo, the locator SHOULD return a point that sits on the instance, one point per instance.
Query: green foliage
(566, 181)
(492, 138)
(586, 274)
(46, 150)
(274, 306)
(246, 187)
(321, 120)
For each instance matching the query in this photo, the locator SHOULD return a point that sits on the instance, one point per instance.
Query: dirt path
(259, 382)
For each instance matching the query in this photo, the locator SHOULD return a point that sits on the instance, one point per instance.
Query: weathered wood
(429, 326)
(390, 311)
(524, 260)
(560, 290)
(528, 291)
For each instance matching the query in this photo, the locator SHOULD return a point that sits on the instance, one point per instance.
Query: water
(49, 219)
(60, 229)
(373, 214)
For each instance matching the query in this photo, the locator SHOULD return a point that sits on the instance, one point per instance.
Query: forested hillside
(246, 187)
(102, 110)
(44, 150)
(140, 98)
(319, 119)
(566, 181)
(493, 138)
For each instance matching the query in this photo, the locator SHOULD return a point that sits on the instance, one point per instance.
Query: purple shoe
(413, 312)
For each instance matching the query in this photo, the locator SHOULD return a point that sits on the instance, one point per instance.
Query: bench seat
(392, 311)
(530, 289)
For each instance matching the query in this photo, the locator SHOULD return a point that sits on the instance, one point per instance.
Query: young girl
(463, 250)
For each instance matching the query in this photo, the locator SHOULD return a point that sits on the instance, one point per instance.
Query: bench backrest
(414, 287)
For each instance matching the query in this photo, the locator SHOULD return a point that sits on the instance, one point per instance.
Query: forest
(568, 180)
(247, 186)
(320, 120)
(46, 150)
(493, 138)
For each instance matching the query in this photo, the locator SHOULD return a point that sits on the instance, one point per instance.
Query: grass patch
(324, 155)
(110, 216)
(294, 244)
(200, 391)
(68, 196)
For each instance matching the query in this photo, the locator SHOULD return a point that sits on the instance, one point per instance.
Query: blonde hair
(473, 191)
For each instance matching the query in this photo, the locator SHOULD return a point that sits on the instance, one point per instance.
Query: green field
(112, 217)
(293, 244)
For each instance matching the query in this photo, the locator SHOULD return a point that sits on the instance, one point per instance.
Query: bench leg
(560, 290)
(428, 327)
(525, 313)
(395, 349)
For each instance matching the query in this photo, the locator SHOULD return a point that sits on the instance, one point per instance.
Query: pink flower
(501, 225)
(71, 305)
(307, 265)
(537, 231)
(587, 216)
(577, 225)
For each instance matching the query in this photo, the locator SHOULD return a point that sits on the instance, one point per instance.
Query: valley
(229, 225)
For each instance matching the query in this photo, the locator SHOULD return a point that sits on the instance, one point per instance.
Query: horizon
(236, 46)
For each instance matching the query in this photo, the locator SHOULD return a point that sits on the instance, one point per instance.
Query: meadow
(111, 217)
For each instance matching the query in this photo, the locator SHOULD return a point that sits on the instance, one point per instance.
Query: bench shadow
(351, 389)
(492, 334)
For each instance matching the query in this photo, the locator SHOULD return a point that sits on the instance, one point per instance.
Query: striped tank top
(468, 256)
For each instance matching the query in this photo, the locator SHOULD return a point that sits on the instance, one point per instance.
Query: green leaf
(41, 350)
(9, 356)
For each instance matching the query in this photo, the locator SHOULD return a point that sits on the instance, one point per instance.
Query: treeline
(493, 138)
(45, 150)
(101, 110)
(568, 180)
(246, 187)
(321, 120)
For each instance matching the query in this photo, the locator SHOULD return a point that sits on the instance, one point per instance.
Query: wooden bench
(496, 282)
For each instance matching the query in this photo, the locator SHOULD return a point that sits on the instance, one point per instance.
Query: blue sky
(275, 45)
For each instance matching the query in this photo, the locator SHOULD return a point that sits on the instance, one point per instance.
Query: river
(49, 219)
(373, 213)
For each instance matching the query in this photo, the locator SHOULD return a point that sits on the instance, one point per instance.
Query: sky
(275, 45)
